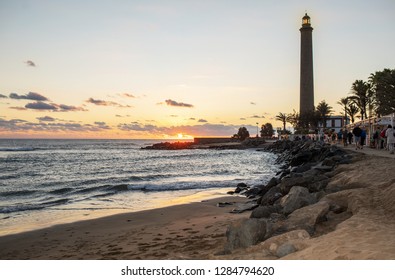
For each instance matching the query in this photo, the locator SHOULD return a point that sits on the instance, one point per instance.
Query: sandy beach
(188, 231)
(197, 230)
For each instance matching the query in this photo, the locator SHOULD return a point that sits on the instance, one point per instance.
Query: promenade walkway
(369, 151)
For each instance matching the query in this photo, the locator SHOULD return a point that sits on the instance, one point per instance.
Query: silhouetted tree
(383, 88)
(361, 96)
(282, 117)
(323, 111)
(352, 111)
(267, 130)
(242, 134)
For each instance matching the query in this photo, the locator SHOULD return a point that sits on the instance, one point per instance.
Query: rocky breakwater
(246, 144)
(292, 205)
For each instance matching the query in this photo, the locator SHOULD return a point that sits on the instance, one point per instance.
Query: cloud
(196, 130)
(173, 103)
(30, 96)
(192, 119)
(30, 63)
(128, 95)
(138, 127)
(3, 96)
(67, 108)
(252, 103)
(17, 125)
(202, 120)
(41, 106)
(18, 108)
(102, 125)
(46, 119)
(257, 117)
(99, 102)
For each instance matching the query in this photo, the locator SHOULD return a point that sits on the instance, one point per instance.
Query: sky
(176, 69)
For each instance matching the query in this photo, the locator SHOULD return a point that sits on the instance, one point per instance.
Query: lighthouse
(306, 67)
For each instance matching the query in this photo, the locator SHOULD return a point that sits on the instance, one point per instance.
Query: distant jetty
(209, 143)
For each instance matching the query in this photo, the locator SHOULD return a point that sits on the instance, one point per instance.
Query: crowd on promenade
(383, 138)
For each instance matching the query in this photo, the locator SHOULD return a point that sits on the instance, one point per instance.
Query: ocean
(48, 182)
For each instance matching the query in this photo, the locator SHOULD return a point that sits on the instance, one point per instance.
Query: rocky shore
(294, 205)
(325, 203)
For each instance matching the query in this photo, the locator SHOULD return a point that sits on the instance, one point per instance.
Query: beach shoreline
(186, 231)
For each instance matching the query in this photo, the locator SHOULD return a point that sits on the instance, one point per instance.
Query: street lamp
(257, 128)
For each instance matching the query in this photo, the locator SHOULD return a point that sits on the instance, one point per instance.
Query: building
(335, 122)
(306, 67)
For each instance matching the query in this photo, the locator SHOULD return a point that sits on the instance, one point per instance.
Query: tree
(293, 118)
(242, 134)
(283, 118)
(308, 121)
(361, 96)
(344, 102)
(352, 110)
(383, 88)
(267, 130)
(323, 111)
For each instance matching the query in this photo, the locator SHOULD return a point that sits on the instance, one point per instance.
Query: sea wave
(33, 206)
(18, 149)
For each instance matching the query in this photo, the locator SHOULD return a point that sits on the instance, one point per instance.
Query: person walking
(363, 137)
(345, 135)
(390, 133)
(357, 131)
(377, 139)
(349, 136)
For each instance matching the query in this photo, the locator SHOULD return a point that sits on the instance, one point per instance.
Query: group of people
(384, 138)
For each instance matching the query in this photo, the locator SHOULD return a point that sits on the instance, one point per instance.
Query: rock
(288, 182)
(273, 182)
(296, 238)
(264, 211)
(323, 168)
(296, 198)
(242, 207)
(244, 233)
(254, 191)
(319, 183)
(301, 157)
(304, 218)
(224, 204)
(241, 187)
(271, 196)
(302, 168)
(285, 249)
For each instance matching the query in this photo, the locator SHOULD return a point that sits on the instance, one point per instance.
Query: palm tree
(344, 102)
(283, 118)
(324, 111)
(383, 88)
(352, 110)
(361, 96)
(293, 118)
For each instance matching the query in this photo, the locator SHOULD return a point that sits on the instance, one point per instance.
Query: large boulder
(265, 211)
(297, 197)
(296, 180)
(283, 244)
(271, 196)
(314, 183)
(304, 218)
(244, 233)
